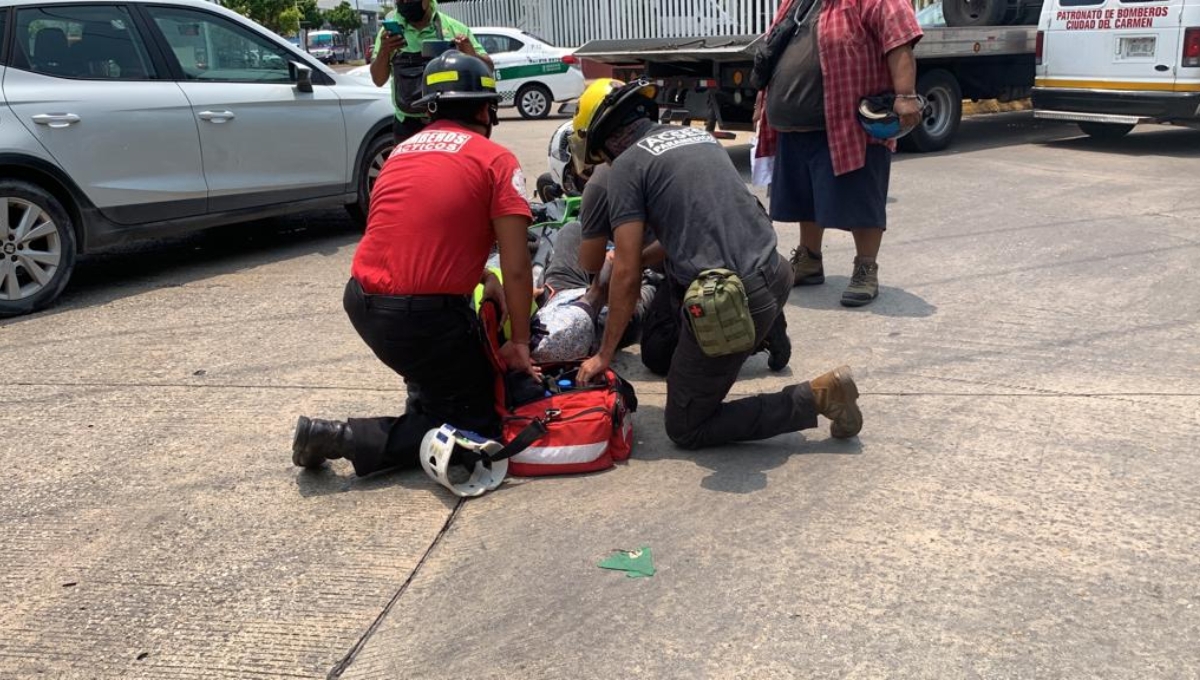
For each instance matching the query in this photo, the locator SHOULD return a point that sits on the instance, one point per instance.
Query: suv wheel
(37, 245)
(372, 164)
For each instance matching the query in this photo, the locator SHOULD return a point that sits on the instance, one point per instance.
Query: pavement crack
(341, 666)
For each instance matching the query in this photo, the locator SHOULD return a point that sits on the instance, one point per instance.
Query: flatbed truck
(708, 78)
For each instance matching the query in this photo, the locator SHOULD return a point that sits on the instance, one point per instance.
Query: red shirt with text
(429, 231)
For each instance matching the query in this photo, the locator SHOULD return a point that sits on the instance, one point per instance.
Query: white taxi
(531, 74)
(1109, 65)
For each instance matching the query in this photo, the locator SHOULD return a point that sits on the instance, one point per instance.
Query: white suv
(124, 120)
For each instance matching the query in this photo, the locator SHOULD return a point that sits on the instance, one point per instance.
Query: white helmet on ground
(437, 447)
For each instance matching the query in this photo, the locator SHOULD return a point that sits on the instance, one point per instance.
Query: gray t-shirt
(593, 208)
(682, 183)
(796, 97)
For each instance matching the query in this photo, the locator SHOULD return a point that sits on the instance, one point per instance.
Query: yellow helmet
(602, 107)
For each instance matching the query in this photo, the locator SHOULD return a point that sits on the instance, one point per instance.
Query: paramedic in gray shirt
(682, 183)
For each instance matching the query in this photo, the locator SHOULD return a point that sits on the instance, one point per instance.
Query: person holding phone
(412, 35)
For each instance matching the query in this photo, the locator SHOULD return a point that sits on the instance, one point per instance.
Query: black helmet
(455, 76)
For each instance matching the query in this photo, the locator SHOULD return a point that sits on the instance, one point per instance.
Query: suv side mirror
(302, 74)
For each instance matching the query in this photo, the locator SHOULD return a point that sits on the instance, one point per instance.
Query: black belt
(416, 303)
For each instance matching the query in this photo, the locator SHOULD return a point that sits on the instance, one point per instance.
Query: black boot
(778, 345)
(317, 441)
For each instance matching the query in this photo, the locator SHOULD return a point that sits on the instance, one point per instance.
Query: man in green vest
(399, 57)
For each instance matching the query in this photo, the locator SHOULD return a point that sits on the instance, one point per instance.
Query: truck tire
(975, 13)
(1105, 130)
(943, 115)
(37, 243)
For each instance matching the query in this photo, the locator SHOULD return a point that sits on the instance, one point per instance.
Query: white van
(328, 46)
(1111, 64)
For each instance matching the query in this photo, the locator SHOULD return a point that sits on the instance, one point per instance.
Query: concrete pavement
(1021, 502)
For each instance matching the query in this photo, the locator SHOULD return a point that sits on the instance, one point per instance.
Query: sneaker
(835, 396)
(807, 268)
(778, 346)
(864, 285)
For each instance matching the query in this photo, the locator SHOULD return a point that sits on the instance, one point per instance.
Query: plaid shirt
(853, 39)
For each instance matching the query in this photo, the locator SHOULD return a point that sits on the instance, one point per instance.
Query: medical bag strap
(534, 431)
(437, 24)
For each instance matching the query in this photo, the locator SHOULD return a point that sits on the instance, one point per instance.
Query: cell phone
(393, 27)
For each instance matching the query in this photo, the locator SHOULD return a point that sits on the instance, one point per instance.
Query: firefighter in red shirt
(444, 198)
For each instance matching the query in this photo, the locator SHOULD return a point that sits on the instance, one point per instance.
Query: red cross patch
(696, 311)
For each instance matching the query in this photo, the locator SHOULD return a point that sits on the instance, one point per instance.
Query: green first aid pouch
(719, 312)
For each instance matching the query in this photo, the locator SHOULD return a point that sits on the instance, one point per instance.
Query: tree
(311, 16)
(344, 18)
(280, 16)
(289, 21)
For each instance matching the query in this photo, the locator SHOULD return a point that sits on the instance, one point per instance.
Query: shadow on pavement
(1173, 143)
(328, 481)
(997, 130)
(892, 301)
(117, 273)
(742, 468)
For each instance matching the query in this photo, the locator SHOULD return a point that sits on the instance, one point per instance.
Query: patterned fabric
(854, 38)
(562, 330)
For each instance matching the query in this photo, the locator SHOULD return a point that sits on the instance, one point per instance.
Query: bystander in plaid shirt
(853, 39)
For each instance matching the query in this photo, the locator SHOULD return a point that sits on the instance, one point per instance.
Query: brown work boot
(836, 398)
(864, 285)
(807, 268)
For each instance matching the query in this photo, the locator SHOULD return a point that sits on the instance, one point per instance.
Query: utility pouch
(408, 74)
(719, 312)
(408, 85)
(771, 48)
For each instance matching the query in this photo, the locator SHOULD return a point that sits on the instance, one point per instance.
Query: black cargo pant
(697, 415)
(435, 344)
(660, 329)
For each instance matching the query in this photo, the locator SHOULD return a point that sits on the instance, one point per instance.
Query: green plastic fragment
(635, 563)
